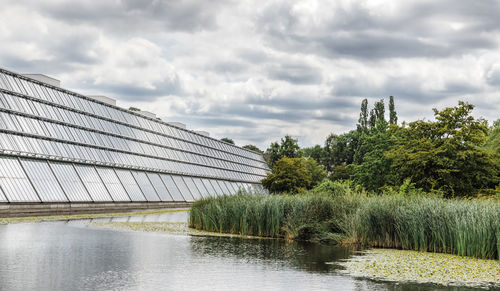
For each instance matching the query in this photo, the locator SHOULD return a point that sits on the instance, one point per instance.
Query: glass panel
(43, 180)
(70, 182)
(209, 187)
(212, 148)
(203, 190)
(235, 187)
(172, 188)
(145, 185)
(2, 195)
(93, 183)
(130, 185)
(183, 188)
(14, 183)
(240, 187)
(195, 192)
(248, 188)
(217, 188)
(225, 190)
(255, 188)
(113, 185)
(230, 187)
(160, 188)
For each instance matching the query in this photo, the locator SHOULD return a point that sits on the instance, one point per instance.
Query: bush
(289, 175)
(294, 175)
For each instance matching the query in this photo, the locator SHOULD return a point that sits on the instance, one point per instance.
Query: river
(73, 255)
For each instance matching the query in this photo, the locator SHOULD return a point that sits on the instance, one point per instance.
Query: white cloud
(257, 71)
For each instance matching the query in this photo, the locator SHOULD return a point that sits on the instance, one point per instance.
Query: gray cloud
(407, 88)
(295, 73)
(493, 76)
(136, 15)
(132, 92)
(414, 31)
(255, 71)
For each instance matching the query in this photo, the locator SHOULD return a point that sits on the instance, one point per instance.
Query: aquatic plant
(413, 222)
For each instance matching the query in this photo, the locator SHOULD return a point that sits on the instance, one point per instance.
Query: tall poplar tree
(379, 109)
(393, 118)
(363, 115)
(373, 118)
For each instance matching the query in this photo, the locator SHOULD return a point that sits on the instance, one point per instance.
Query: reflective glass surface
(57, 145)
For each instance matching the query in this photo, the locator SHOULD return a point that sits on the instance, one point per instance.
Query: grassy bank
(342, 215)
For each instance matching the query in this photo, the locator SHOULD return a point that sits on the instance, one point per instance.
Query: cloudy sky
(255, 71)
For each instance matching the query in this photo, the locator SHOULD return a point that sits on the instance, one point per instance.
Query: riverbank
(9, 220)
(145, 226)
(414, 222)
(167, 227)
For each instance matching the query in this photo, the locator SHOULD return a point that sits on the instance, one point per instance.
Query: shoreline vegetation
(167, 227)
(338, 213)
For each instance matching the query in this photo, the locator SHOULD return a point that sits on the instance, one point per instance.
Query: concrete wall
(42, 209)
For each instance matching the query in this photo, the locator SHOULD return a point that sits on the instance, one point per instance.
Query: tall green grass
(462, 227)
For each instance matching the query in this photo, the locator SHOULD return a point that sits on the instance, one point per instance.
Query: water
(76, 256)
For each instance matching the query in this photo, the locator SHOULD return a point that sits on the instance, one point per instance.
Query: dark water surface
(75, 256)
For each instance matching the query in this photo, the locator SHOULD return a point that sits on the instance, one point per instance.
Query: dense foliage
(445, 154)
(287, 148)
(453, 155)
(493, 142)
(336, 212)
(294, 175)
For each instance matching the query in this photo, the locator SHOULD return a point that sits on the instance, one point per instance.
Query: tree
(253, 148)
(363, 116)
(316, 152)
(373, 118)
(379, 110)
(393, 118)
(445, 154)
(317, 171)
(340, 149)
(272, 154)
(289, 175)
(227, 139)
(372, 169)
(288, 148)
(493, 142)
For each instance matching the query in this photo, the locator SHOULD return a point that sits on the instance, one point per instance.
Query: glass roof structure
(60, 146)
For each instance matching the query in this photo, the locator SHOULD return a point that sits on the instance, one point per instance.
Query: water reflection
(177, 216)
(309, 257)
(304, 256)
(74, 256)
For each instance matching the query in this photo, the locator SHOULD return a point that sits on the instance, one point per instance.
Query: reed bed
(463, 227)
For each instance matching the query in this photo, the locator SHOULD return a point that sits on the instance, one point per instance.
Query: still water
(76, 256)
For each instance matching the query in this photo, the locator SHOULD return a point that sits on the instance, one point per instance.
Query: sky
(255, 71)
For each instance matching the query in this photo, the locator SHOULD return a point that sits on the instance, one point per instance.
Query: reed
(415, 222)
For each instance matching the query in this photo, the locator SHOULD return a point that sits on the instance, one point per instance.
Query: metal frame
(212, 161)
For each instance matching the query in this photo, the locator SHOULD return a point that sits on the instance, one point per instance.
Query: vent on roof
(147, 113)
(178, 124)
(205, 133)
(44, 79)
(104, 99)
